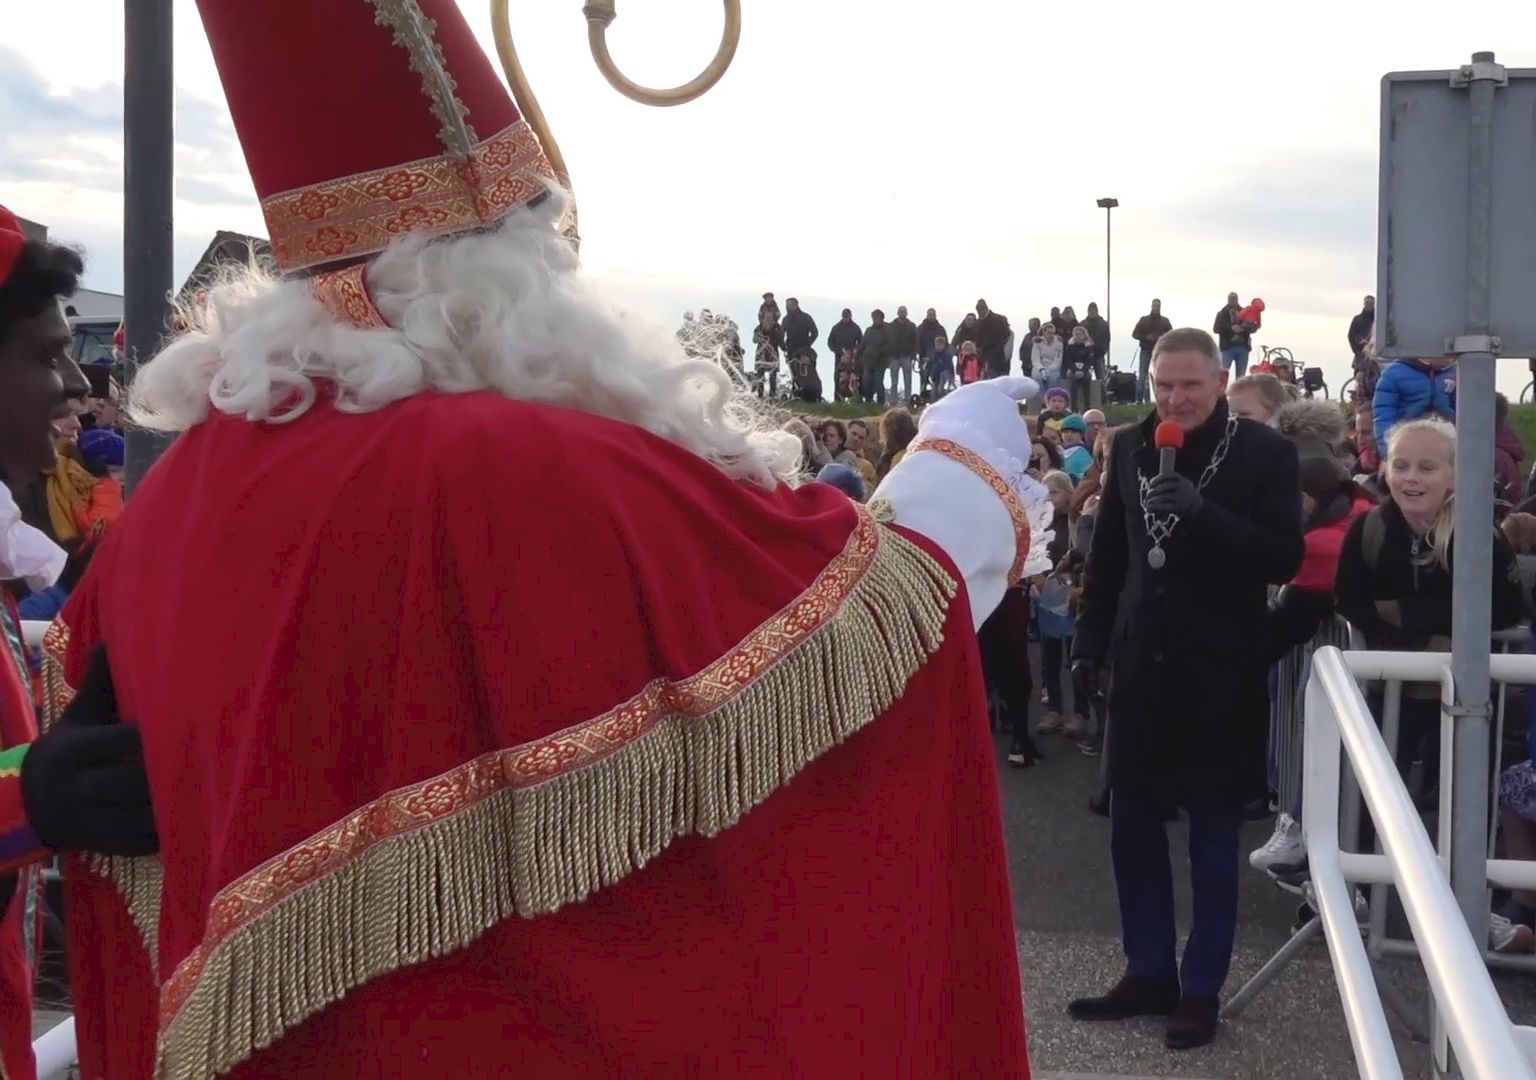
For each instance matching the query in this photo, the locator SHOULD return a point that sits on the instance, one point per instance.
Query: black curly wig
(44, 274)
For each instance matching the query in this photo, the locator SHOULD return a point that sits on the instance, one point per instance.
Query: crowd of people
(899, 361)
(1354, 531)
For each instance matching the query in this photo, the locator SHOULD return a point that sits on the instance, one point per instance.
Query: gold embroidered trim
(355, 216)
(429, 868)
(416, 34)
(999, 485)
(137, 880)
(344, 293)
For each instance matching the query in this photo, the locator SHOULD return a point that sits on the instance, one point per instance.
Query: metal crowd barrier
(1468, 1010)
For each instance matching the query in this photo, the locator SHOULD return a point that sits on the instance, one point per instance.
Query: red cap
(362, 120)
(12, 238)
(1169, 436)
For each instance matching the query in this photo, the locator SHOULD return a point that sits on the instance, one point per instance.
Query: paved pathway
(1067, 924)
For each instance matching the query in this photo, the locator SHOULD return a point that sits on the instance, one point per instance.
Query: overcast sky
(867, 154)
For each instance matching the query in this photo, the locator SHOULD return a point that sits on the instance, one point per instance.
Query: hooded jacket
(1312, 418)
(1409, 389)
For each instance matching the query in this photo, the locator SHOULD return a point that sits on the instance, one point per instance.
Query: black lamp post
(1108, 206)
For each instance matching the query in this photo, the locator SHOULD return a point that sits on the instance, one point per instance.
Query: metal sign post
(1457, 155)
(148, 193)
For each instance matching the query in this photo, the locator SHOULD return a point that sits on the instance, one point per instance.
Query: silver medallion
(1156, 557)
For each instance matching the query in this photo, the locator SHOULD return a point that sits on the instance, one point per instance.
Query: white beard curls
(504, 310)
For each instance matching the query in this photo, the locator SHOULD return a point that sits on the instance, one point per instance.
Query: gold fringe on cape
(532, 849)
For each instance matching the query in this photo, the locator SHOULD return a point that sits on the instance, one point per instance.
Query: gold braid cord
(137, 880)
(426, 870)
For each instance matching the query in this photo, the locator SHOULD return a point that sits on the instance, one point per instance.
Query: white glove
(959, 511)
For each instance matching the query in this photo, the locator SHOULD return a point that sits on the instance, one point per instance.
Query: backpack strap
(1373, 537)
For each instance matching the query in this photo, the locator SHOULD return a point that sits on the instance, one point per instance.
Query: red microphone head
(1169, 436)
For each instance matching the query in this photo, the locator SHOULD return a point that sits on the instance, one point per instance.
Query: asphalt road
(1067, 924)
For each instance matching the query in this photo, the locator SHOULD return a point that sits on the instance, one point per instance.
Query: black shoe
(1023, 756)
(1130, 997)
(1192, 1024)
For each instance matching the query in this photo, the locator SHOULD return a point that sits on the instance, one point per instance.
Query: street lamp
(1108, 206)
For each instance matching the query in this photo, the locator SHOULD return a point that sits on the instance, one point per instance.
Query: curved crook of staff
(528, 104)
(601, 13)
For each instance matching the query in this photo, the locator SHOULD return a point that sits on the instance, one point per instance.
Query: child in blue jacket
(1411, 388)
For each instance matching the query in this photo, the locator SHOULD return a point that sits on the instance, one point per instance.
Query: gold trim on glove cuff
(994, 480)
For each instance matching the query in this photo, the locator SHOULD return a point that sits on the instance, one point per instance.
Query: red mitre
(363, 120)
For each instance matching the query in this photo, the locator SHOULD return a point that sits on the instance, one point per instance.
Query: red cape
(488, 736)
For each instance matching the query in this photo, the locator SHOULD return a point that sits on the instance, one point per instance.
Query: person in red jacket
(80, 786)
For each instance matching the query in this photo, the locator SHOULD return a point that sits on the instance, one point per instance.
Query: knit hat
(844, 478)
(1073, 422)
(1057, 392)
(102, 445)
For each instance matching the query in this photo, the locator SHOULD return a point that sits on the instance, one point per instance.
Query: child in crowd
(848, 375)
(1250, 318)
(1257, 397)
(1055, 411)
(1075, 455)
(969, 363)
(941, 367)
(1410, 389)
(1053, 611)
(103, 452)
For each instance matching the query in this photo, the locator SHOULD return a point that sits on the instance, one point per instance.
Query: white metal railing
(1487, 1045)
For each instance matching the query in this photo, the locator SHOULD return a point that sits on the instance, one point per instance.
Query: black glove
(83, 782)
(1173, 494)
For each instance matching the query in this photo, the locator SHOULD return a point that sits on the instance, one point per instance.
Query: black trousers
(1053, 657)
(1004, 641)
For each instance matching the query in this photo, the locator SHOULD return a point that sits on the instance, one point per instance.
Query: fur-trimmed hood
(1312, 418)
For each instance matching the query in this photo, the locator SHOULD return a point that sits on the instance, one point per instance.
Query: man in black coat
(1149, 328)
(992, 337)
(927, 330)
(1361, 327)
(1098, 333)
(846, 334)
(1174, 600)
(800, 330)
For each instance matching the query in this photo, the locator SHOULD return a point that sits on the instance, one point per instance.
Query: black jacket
(1360, 328)
(799, 332)
(929, 329)
(1098, 333)
(875, 348)
(1189, 695)
(904, 337)
(991, 336)
(1078, 361)
(1224, 333)
(845, 335)
(1418, 598)
(1149, 328)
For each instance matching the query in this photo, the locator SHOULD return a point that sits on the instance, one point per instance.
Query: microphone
(1169, 439)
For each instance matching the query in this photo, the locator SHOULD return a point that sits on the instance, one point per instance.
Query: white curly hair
(504, 309)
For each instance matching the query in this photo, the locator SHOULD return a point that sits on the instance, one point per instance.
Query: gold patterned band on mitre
(427, 868)
(998, 483)
(344, 293)
(356, 216)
